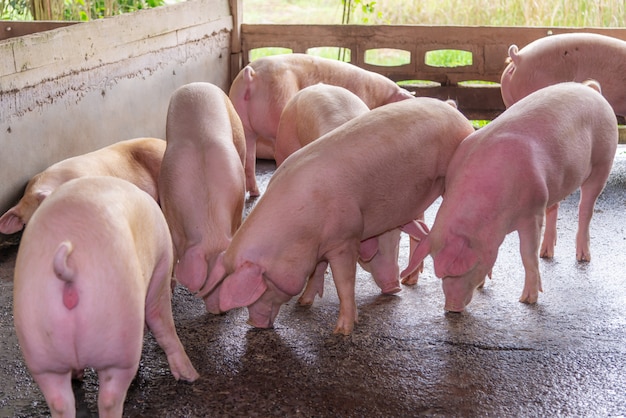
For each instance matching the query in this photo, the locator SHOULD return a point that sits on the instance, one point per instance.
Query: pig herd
(359, 160)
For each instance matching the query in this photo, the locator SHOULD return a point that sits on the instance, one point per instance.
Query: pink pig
(136, 160)
(505, 176)
(202, 183)
(312, 112)
(328, 203)
(94, 264)
(567, 57)
(261, 90)
(308, 115)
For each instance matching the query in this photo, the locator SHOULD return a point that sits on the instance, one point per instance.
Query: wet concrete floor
(564, 356)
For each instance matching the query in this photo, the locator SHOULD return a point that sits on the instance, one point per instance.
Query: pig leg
(343, 267)
(417, 231)
(549, 235)
(412, 278)
(314, 286)
(589, 192)
(529, 237)
(114, 383)
(250, 167)
(161, 322)
(57, 389)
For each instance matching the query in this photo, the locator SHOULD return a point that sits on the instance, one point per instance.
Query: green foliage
(361, 9)
(448, 58)
(78, 10)
(15, 10)
(99, 9)
(575, 13)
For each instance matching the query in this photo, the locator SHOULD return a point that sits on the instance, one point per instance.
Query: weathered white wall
(71, 90)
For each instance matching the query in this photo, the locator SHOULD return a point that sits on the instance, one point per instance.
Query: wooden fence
(488, 46)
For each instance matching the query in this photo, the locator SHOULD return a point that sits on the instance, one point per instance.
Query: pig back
(303, 70)
(392, 159)
(552, 139)
(568, 57)
(312, 112)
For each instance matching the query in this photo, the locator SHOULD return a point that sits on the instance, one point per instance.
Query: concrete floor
(564, 356)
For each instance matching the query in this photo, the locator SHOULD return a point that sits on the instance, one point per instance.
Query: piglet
(137, 160)
(567, 57)
(261, 90)
(202, 181)
(505, 176)
(330, 201)
(94, 264)
(312, 112)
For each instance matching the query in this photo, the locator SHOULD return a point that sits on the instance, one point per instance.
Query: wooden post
(236, 9)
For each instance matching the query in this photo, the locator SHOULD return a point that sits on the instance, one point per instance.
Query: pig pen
(563, 356)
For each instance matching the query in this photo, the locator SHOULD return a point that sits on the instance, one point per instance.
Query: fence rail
(488, 46)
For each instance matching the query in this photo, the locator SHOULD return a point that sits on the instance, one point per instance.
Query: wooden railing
(12, 29)
(488, 46)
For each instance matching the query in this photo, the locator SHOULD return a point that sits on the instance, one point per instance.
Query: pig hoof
(258, 325)
(409, 281)
(306, 300)
(342, 331)
(345, 327)
(391, 291)
(453, 311)
(190, 375)
(528, 299)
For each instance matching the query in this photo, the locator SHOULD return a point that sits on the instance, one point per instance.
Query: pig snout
(263, 312)
(263, 302)
(383, 265)
(458, 292)
(246, 286)
(401, 94)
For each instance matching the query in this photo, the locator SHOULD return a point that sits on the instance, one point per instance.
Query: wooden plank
(484, 102)
(488, 44)
(80, 47)
(12, 29)
(236, 9)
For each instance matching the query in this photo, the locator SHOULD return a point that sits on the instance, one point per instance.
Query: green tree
(70, 9)
(359, 8)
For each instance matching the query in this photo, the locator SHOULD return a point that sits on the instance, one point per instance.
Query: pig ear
(594, 84)
(416, 229)
(242, 288)
(11, 222)
(215, 276)
(368, 248)
(422, 250)
(40, 195)
(513, 50)
(455, 258)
